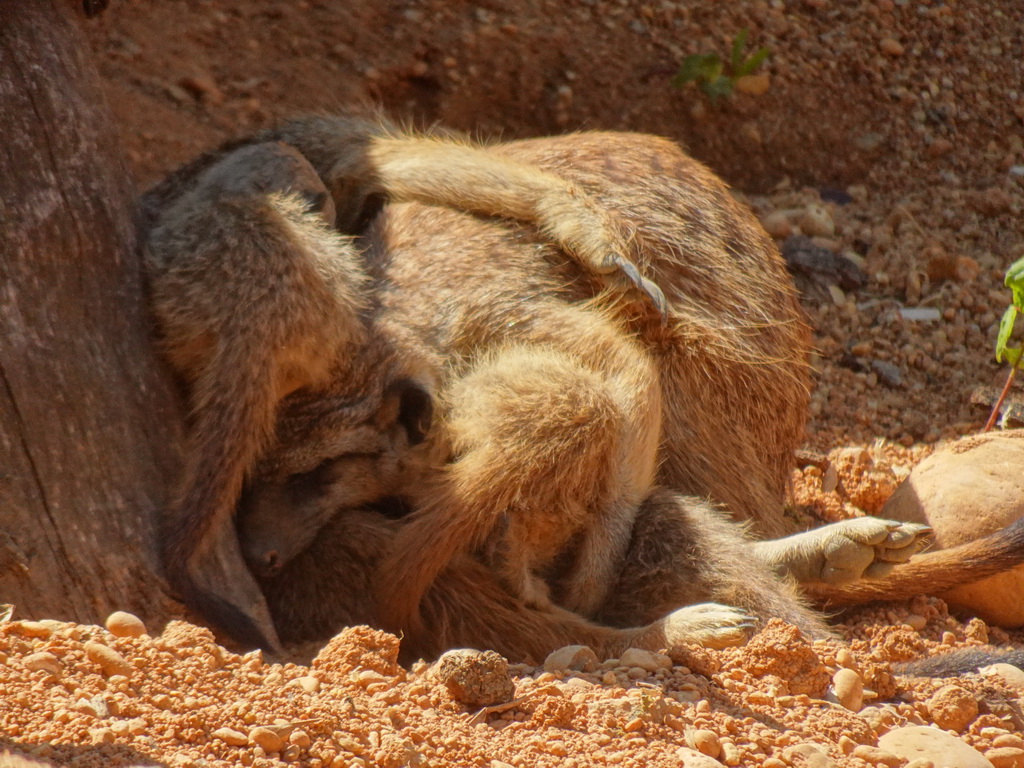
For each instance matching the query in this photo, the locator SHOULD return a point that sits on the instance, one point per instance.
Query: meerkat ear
(415, 409)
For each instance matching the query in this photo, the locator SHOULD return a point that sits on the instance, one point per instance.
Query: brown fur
(548, 413)
(256, 298)
(243, 229)
(479, 456)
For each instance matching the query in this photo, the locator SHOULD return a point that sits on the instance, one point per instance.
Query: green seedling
(1014, 280)
(709, 72)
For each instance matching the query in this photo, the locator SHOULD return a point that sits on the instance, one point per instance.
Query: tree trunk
(89, 424)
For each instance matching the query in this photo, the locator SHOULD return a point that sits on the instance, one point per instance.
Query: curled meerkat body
(257, 296)
(525, 412)
(551, 394)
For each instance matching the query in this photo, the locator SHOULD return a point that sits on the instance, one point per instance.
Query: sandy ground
(890, 132)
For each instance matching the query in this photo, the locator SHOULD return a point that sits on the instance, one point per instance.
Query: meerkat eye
(313, 480)
(415, 410)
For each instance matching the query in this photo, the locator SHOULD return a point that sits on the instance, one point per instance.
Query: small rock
(579, 658)
(939, 147)
(32, 628)
(267, 739)
(870, 142)
(966, 269)
(816, 221)
(917, 622)
(849, 689)
(691, 758)
(753, 85)
(1007, 673)
(475, 678)
(705, 742)
(43, 662)
(876, 756)
(645, 660)
(203, 87)
(965, 490)
(110, 661)
(920, 314)
(808, 756)
(914, 742)
(777, 224)
(888, 373)
(1006, 757)
(952, 708)
(1008, 740)
(920, 762)
(890, 46)
(102, 736)
(231, 737)
(122, 624)
(308, 683)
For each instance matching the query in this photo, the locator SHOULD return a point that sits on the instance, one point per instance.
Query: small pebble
(308, 683)
(231, 737)
(849, 689)
(43, 662)
(916, 622)
(816, 221)
(122, 624)
(876, 756)
(705, 741)
(890, 46)
(267, 739)
(110, 661)
(691, 758)
(579, 658)
(952, 708)
(1006, 757)
(646, 660)
(778, 225)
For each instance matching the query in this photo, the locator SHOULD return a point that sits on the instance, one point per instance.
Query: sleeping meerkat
(497, 416)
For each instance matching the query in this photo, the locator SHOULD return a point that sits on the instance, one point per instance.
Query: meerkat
(257, 295)
(540, 379)
(524, 416)
(548, 404)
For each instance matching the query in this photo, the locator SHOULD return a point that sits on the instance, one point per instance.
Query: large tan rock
(941, 748)
(968, 489)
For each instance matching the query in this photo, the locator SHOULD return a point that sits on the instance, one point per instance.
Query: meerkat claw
(617, 262)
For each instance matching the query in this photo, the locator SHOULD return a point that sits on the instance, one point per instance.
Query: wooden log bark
(90, 427)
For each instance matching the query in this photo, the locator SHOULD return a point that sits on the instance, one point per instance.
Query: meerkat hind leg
(865, 547)
(687, 553)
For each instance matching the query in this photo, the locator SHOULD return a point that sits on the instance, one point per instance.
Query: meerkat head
(339, 449)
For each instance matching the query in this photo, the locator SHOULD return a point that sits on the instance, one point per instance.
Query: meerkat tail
(932, 572)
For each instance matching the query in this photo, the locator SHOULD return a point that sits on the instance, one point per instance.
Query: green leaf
(1005, 331)
(738, 44)
(752, 63)
(699, 67)
(1012, 353)
(718, 88)
(1014, 280)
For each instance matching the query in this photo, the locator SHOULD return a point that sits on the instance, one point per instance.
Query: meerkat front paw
(711, 625)
(865, 547)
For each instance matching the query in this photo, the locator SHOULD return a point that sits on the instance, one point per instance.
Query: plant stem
(1002, 395)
